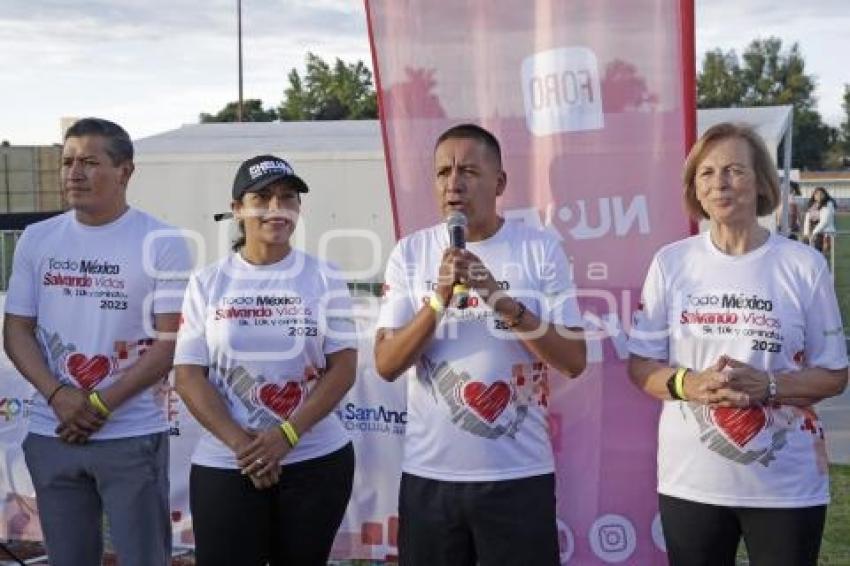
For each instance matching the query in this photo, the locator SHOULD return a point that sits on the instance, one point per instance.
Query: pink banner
(592, 101)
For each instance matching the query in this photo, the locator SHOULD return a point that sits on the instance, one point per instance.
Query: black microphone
(456, 225)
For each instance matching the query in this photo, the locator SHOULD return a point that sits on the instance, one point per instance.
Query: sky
(153, 65)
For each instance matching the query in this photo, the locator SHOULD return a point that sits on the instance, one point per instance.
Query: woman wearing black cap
(265, 353)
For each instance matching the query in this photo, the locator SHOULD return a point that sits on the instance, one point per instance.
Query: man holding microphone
(481, 317)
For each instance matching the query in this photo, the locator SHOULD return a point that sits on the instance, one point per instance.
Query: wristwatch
(771, 389)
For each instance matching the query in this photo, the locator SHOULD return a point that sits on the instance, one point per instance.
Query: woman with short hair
(739, 334)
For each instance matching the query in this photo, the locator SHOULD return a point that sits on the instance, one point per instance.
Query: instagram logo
(612, 538)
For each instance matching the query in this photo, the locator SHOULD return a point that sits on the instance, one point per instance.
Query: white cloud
(818, 26)
(152, 65)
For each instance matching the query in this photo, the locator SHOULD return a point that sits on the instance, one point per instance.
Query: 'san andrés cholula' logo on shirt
(373, 418)
(85, 266)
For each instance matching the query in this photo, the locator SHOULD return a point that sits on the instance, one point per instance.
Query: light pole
(239, 35)
(6, 175)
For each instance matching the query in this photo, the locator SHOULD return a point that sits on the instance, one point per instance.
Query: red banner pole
(382, 120)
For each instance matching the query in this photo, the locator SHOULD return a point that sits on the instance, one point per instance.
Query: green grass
(835, 547)
(842, 268)
(836, 537)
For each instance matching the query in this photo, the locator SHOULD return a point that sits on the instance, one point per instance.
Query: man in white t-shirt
(478, 480)
(93, 296)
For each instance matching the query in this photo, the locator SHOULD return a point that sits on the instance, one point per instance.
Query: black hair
(472, 132)
(240, 240)
(822, 203)
(119, 147)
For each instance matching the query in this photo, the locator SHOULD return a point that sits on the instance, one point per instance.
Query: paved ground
(835, 413)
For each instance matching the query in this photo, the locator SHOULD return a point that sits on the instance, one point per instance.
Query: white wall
(347, 210)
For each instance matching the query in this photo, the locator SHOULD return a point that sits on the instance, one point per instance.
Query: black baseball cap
(263, 170)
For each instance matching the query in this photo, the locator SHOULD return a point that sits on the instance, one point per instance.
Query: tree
(767, 76)
(838, 156)
(343, 91)
(252, 111)
(811, 140)
(719, 84)
(771, 77)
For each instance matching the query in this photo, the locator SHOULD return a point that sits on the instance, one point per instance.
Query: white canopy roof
(343, 136)
(771, 122)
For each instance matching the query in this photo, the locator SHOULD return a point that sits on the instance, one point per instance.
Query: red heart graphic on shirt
(88, 371)
(281, 400)
(740, 425)
(487, 402)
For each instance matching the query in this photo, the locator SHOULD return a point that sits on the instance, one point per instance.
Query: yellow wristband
(289, 433)
(97, 403)
(679, 382)
(437, 304)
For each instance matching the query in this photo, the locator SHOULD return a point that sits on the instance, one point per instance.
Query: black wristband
(671, 387)
(55, 391)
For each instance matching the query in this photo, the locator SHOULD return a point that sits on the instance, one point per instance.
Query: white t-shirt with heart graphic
(477, 407)
(264, 331)
(774, 309)
(93, 291)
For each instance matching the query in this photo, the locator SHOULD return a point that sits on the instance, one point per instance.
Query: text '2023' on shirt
(773, 308)
(94, 291)
(263, 332)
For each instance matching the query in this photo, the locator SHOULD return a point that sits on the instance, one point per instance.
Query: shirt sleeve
(22, 294)
(824, 331)
(337, 324)
(191, 347)
(825, 219)
(173, 265)
(396, 308)
(649, 336)
(807, 223)
(560, 303)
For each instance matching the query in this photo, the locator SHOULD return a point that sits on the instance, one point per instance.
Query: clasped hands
(78, 419)
(260, 455)
(727, 383)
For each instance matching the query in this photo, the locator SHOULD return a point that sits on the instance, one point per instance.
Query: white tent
(347, 215)
(184, 176)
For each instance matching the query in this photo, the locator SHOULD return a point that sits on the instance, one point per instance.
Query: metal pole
(786, 166)
(6, 179)
(4, 284)
(239, 34)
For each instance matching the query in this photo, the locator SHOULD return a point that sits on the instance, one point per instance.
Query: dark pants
(292, 523)
(698, 534)
(505, 523)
